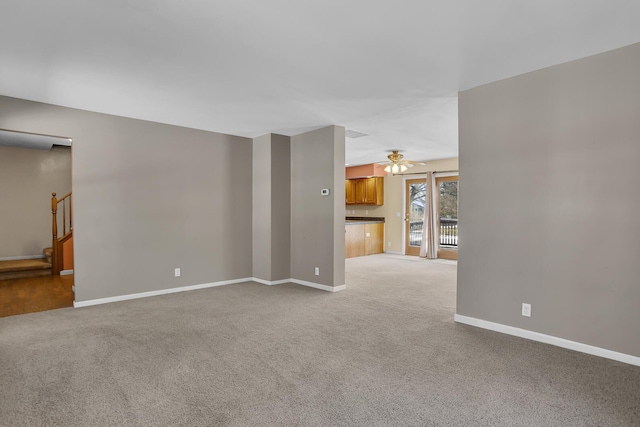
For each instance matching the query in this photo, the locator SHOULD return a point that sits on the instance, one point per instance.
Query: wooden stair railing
(57, 243)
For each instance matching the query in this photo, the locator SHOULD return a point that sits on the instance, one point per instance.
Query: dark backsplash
(365, 218)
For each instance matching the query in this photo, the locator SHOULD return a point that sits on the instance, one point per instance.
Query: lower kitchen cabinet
(364, 239)
(373, 238)
(354, 240)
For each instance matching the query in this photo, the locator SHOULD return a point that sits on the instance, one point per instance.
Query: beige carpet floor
(384, 352)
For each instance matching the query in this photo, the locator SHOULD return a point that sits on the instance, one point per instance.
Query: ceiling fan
(397, 164)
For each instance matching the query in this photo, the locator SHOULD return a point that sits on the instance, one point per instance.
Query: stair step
(17, 269)
(21, 274)
(48, 254)
(24, 265)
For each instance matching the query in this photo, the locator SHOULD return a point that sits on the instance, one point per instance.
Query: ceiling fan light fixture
(396, 164)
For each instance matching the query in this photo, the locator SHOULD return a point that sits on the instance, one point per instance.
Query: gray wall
(317, 222)
(27, 179)
(148, 197)
(271, 207)
(549, 201)
(262, 207)
(280, 207)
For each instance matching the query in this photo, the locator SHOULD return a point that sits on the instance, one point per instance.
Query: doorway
(446, 209)
(36, 166)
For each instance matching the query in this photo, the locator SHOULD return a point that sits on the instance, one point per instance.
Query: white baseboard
(66, 272)
(319, 286)
(301, 282)
(17, 258)
(98, 301)
(78, 304)
(271, 282)
(393, 252)
(548, 339)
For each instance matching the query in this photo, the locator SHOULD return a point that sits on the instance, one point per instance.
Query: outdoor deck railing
(448, 232)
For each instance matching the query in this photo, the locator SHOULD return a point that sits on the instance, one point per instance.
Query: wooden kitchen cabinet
(353, 240)
(373, 238)
(363, 239)
(360, 188)
(350, 191)
(365, 191)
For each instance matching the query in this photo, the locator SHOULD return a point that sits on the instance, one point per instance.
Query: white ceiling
(389, 69)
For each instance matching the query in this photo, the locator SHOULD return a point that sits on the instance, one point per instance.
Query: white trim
(78, 304)
(548, 339)
(393, 252)
(98, 301)
(17, 258)
(318, 285)
(66, 272)
(301, 282)
(271, 282)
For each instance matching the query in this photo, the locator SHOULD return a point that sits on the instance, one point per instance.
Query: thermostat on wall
(324, 191)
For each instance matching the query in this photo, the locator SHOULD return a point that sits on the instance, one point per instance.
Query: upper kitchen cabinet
(365, 191)
(350, 191)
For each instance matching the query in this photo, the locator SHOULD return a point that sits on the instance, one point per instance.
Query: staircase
(21, 268)
(66, 240)
(54, 260)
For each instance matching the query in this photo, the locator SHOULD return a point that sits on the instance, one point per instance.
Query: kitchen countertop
(350, 220)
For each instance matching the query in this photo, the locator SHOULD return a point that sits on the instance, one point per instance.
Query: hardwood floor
(28, 295)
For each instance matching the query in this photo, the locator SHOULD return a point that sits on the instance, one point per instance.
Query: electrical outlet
(317, 271)
(177, 272)
(389, 244)
(366, 212)
(398, 214)
(526, 309)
